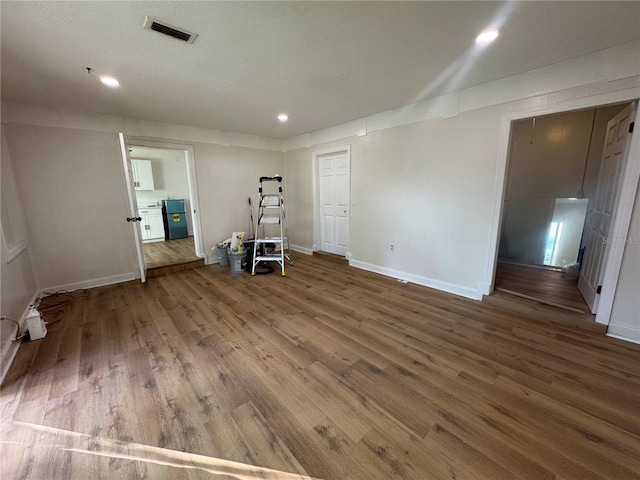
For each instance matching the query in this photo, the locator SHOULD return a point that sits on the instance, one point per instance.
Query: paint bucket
(223, 255)
(238, 261)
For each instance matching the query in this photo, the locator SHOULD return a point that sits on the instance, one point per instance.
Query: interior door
(134, 216)
(335, 172)
(609, 180)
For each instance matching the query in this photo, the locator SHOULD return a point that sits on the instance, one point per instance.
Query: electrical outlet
(392, 247)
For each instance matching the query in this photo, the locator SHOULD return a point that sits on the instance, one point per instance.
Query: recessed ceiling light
(487, 36)
(283, 117)
(110, 81)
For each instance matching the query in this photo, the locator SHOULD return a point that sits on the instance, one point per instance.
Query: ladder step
(264, 258)
(268, 240)
(269, 219)
(275, 256)
(271, 201)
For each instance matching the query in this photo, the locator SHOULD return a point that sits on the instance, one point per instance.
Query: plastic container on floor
(223, 255)
(238, 262)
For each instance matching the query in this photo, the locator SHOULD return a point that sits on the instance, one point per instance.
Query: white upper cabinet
(142, 174)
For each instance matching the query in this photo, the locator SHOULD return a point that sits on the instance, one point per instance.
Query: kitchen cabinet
(142, 174)
(152, 225)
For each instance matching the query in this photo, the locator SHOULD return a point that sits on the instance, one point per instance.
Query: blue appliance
(175, 219)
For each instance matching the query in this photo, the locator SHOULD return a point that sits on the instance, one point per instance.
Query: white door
(334, 186)
(609, 180)
(134, 216)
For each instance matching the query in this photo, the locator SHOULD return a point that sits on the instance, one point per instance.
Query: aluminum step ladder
(271, 215)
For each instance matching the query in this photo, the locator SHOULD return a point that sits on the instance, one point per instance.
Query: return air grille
(156, 25)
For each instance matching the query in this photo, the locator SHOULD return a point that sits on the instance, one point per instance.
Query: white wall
(625, 315)
(18, 284)
(410, 189)
(227, 177)
(18, 291)
(548, 156)
(75, 204)
(428, 177)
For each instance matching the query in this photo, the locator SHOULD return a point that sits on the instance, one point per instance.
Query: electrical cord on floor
(266, 269)
(18, 336)
(45, 311)
(64, 292)
(60, 308)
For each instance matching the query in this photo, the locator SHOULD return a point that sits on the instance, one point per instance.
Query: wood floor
(330, 372)
(542, 283)
(169, 252)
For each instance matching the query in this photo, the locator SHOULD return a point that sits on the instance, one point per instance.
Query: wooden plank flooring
(330, 372)
(542, 283)
(169, 252)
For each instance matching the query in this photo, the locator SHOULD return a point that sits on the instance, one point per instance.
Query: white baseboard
(298, 248)
(9, 354)
(484, 289)
(466, 292)
(97, 282)
(622, 332)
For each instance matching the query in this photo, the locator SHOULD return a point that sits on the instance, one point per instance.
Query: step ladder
(271, 215)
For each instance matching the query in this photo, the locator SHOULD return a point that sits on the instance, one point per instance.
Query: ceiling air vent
(151, 23)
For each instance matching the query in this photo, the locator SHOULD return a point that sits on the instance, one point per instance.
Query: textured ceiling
(324, 63)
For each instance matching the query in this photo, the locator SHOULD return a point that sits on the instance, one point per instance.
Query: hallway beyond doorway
(542, 284)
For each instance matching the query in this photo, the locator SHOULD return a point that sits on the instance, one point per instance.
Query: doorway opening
(554, 185)
(166, 199)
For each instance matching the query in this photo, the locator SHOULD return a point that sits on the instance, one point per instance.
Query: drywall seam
(28, 114)
(428, 110)
(607, 71)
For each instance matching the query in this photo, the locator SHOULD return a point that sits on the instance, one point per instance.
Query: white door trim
(193, 184)
(622, 216)
(316, 194)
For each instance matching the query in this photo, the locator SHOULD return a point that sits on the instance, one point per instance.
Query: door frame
(191, 180)
(316, 194)
(624, 206)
